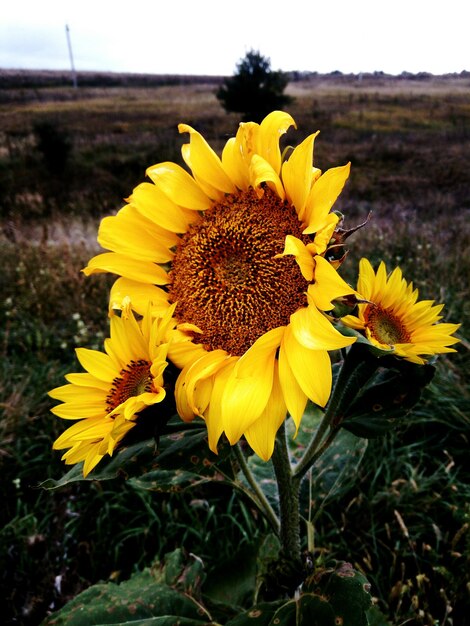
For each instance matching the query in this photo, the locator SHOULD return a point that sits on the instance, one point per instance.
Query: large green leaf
(388, 396)
(161, 596)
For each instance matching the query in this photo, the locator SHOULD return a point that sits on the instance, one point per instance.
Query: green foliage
(162, 596)
(255, 89)
(331, 596)
(378, 391)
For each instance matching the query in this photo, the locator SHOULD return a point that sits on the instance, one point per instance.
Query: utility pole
(74, 73)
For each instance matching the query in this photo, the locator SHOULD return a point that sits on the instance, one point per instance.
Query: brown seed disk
(225, 277)
(132, 381)
(384, 326)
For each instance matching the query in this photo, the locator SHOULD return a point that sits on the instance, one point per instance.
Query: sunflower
(239, 246)
(118, 384)
(393, 318)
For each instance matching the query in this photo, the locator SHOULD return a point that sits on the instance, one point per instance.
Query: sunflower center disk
(225, 277)
(385, 327)
(132, 381)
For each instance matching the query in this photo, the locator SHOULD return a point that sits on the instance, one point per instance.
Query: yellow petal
(84, 379)
(67, 393)
(211, 192)
(249, 387)
(311, 368)
(271, 129)
(365, 283)
(314, 331)
(130, 233)
(294, 397)
(304, 259)
(234, 164)
(324, 234)
(140, 294)
(261, 434)
(323, 195)
(204, 367)
(328, 285)
(179, 186)
(79, 410)
(262, 172)
(204, 162)
(153, 204)
(91, 461)
(134, 269)
(97, 363)
(213, 415)
(184, 353)
(297, 174)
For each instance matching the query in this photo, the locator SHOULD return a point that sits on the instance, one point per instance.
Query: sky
(210, 37)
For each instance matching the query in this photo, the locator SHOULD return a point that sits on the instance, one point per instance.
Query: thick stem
(257, 493)
(288, 500)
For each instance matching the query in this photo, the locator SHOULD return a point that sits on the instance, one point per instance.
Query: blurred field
(67, 158)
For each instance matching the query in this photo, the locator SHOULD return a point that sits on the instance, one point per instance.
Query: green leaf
(264, 474)
(144, 600)
(336, 468)
(388, 396)
(308, 610)
(259, 615)
(347, 590)
(233, 582)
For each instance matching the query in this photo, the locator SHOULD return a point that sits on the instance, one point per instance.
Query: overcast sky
(210, 36)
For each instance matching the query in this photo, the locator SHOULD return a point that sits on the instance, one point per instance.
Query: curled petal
(298, 174)
(179, 186)
(323, 195)
(204, 162)
(314, 331)
(304, 258)
(271, 129)
(262, 172)
(328, 285)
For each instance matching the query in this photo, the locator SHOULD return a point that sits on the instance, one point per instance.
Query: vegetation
(255, 89)
(404, 519)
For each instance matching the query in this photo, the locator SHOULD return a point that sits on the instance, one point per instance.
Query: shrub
(255, 89)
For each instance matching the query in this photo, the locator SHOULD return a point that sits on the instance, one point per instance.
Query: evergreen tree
(254, 90)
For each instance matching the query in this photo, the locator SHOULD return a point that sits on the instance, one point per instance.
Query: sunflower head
(118, 386)
(393, 319)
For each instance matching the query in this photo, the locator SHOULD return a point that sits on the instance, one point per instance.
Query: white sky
(211, 36)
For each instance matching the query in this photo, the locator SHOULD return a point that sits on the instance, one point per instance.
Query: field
(68, 157)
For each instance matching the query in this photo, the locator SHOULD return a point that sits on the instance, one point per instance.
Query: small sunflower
(239, 246)
(393, 318)
(118, 384)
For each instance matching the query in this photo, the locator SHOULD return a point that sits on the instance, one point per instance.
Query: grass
(405, 522)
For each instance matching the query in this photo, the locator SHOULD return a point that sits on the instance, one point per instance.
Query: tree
(254, 90)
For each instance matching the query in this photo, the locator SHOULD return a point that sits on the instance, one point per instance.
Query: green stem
(288, 499)
(257, 493)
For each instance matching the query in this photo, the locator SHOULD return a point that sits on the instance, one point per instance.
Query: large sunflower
(239, 247)
(117, 386)
(393, 318)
